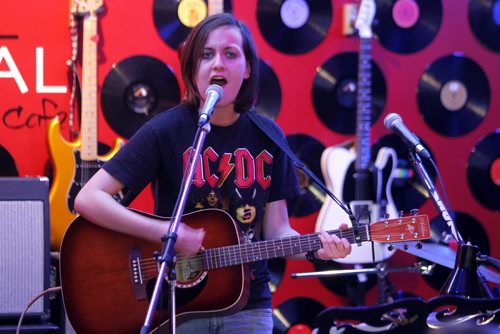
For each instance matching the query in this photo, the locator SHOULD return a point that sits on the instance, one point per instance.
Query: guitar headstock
(87, 7)
(409, 228)
(364, 19)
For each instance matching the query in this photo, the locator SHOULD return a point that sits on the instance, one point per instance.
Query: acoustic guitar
(108, 277)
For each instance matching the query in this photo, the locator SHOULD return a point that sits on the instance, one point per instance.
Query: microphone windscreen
(390, 119)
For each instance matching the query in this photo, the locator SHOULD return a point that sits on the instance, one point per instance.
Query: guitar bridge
(137, 278)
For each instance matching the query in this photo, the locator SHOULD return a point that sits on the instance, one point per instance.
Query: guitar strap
(275, 136)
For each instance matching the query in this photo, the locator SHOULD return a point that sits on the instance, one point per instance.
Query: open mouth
(218, 81)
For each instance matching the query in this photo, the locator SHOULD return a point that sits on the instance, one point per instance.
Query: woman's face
(223, 63)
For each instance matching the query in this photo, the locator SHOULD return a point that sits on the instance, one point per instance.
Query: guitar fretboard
(364, 105)
(89, 89)
(263, 250)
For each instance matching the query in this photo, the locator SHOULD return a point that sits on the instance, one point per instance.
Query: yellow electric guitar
(75, 162)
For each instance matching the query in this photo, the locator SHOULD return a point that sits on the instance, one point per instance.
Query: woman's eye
(206, 54)
(230, 54)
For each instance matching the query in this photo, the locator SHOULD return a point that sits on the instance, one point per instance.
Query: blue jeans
(255, 321)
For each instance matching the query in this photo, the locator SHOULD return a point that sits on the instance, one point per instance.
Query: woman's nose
(218, 63)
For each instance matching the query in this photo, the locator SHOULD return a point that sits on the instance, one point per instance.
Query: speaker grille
(24, 251)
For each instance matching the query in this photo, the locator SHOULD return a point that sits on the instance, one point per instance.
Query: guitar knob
(390, 247)
(387, 215)
(418, 245)
(405, 247)
(414, 212)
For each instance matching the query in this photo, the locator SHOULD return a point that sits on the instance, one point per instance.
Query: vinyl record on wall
(308, 150)
(407, 26)
(483, 171)
(484, 21)
(408, 191)
(7, 163)
(174, 19)
(469, 228)
(294, 26)
(453, 95)
(296, 315)
(269, 98)
(135, 90)
(334, 92)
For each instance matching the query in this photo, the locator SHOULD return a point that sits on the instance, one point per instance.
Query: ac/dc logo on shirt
(215, 169)
(235, 182)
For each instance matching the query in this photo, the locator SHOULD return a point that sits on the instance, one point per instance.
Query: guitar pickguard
(84, 170)
(337, 164)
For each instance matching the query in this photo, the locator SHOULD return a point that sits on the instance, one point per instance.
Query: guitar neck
(364, 106)
(215, 7)
(88, 131)
(401, 229)
(239, 254)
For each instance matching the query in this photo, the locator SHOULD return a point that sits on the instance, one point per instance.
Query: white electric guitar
(352, 177)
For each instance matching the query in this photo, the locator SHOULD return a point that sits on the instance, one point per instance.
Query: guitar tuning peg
(390, 247)
(418, 245)
(405, 247)
(401, 214)
(387, 215)
(414, 212)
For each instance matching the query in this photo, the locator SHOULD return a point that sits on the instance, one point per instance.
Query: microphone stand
(167, 257)
(434, 195)
(465, 279)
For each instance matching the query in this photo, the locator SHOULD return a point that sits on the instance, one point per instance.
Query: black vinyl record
(174, 19)
(308, 150)
(135, 90)
(483, 171)
(296, 315)
(294, 26)
(7, 164)
(484, 20)
(469, 228)
(453, 95)
(334, 92)
(407, 26)
(269, 99)
(407, 190)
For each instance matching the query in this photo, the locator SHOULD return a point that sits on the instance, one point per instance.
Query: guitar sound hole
(189, 272)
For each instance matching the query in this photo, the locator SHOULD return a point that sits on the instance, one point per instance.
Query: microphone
(214, 94)
(394, 123)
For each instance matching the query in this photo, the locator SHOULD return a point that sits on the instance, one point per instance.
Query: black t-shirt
(240, 170)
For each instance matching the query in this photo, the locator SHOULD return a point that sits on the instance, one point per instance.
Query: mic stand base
(464, 279)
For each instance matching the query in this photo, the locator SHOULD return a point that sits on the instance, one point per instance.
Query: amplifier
(24, 247)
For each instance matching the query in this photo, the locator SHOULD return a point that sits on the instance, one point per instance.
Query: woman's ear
(247, 71)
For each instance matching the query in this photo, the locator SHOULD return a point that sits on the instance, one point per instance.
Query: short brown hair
(192, 52)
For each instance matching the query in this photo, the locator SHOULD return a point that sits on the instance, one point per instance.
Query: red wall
(126, 29)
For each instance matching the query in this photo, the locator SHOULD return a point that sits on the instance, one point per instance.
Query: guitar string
(303, 239)
(222, 256)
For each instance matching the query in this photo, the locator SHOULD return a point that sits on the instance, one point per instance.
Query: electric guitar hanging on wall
(76, 162)
(365, 186)
(107, 277)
